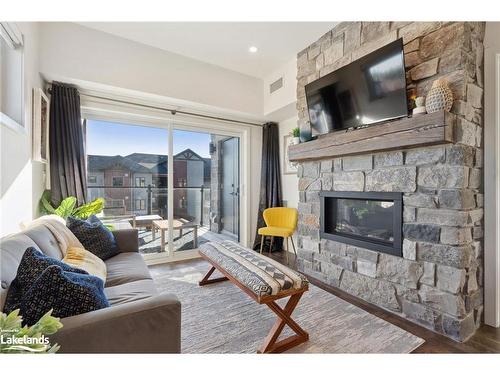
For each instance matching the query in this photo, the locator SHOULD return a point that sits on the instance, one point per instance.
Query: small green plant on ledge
(14, 338)
(295, 136)
(68, 207)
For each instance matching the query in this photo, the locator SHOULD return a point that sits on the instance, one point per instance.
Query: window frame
(142, 204)
(141, 179)
(113, 181)
(99, 110)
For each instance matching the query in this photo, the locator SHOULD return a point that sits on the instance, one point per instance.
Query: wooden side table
(179, 224)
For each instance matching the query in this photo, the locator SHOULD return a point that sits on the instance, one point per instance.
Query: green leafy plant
(68, 207)
(18, 339)
(296, 132)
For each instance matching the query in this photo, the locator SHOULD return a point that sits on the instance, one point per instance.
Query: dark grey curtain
(68, 176)
(270, 179)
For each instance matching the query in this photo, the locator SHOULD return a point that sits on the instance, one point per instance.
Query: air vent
(276, 85)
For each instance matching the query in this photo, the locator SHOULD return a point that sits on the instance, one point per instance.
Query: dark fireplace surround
(372, 220)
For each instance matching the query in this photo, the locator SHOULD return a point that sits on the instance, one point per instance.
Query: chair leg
(286, 250)
(262, 239)
(293, 245)
(271, 246)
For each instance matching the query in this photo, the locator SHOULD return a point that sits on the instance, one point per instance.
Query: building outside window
(114, 203)
(117, 181)
(92, 179)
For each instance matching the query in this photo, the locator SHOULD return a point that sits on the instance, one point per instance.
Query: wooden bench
(265, 281)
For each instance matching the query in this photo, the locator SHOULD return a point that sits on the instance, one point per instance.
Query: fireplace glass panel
(369, 219)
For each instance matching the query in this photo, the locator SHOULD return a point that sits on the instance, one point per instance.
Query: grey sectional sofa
(139, 320)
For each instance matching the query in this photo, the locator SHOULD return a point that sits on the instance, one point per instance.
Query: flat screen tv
(367, 91)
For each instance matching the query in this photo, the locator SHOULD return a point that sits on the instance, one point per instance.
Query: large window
(178, 198)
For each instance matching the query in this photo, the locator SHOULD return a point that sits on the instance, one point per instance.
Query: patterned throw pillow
(66, 293)
(94, 236)
(32, 264)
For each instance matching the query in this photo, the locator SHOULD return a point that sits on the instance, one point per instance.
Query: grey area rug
(220, 318)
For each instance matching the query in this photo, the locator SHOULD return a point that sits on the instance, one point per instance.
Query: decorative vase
(305, 131)
(439, 97)
(295, 140)
(419, 106)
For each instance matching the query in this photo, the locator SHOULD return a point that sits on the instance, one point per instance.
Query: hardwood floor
(486, 339)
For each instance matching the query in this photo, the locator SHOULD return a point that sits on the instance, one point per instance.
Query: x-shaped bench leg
(271, 345)
(206, 279)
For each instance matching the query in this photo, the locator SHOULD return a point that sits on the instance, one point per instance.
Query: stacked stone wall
(438, 282)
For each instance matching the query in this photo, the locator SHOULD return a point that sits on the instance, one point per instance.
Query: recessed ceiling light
(252, 49)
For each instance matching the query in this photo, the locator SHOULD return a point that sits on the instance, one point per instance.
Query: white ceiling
(224, 43)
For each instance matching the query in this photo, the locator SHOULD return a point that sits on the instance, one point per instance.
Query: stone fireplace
(436, 277)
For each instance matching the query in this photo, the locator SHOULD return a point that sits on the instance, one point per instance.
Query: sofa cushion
(66, 293)
(33, 264)
(46, 242)
(94, 236)
(125, 268)
(12, 249)
(134, 291)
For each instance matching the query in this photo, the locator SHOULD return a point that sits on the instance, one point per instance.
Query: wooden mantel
(424, 130)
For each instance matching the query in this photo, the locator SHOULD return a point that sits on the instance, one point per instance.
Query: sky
(110, 138)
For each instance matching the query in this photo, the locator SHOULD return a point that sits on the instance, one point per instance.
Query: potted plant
(295, 136)
(68, 207)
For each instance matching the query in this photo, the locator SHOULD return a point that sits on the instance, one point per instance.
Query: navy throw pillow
(94, 236)
(66, 293)
(32, 264)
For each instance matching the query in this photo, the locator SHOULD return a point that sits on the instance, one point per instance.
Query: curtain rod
(172, 111)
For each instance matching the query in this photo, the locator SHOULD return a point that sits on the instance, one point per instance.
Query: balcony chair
(280, 222)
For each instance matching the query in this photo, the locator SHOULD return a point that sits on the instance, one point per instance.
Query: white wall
(280, 106)
(22, 180)
(285, 96)
(492, 174)
(289, 181)
(73, 52)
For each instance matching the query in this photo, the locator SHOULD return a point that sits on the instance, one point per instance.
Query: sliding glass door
(205, 188)
(178, 187)
(126, 167)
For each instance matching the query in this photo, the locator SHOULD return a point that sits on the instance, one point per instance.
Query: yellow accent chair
(280, 222)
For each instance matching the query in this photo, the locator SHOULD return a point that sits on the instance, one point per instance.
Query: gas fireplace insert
(370, 220)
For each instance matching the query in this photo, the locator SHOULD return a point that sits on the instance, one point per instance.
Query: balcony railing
(192, 203)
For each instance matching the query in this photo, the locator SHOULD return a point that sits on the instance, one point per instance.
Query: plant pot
(295, 140)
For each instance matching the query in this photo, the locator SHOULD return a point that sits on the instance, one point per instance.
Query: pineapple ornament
(439, 97)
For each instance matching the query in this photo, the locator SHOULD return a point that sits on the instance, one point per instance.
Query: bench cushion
(260, 274)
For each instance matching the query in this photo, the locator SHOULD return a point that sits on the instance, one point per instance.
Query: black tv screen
(368, 90)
